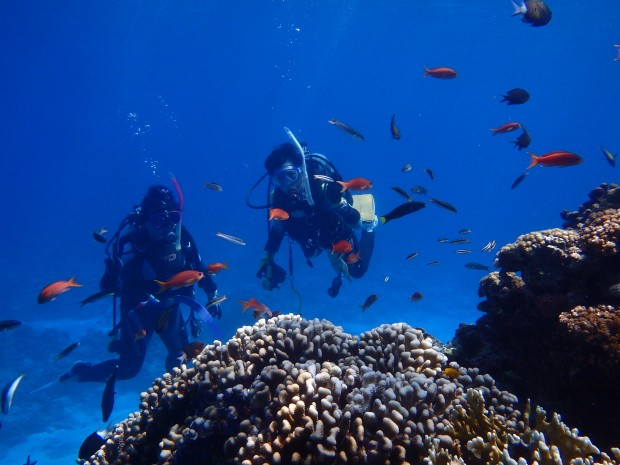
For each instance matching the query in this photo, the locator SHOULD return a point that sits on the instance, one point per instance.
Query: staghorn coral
(288, 390)
(551, 324)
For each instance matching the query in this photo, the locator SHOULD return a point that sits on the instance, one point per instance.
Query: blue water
(101, 99)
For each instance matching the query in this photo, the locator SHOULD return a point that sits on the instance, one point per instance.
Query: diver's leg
(131, 353)
(175, 338)
(366, 247)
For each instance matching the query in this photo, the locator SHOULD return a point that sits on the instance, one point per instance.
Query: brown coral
(550, 326)
(288, 390)
(601, 232)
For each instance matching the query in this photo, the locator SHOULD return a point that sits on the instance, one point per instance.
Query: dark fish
(516, 96)
(419, 190)
(93, 443)
(107, 400)
(402, 210)
(465, 231)
(430, 173)
(416, 296)
(191, 351)
(463, 251)
(394, 129)
(8, 392)
(535, 12)
(406, 168)
(611, 159)
(5, 325)
(213, 186)
(523, 141)
(66, 351)
(95, 297)
(412, 255)
(346, 128)
(434, 262)
(30, 462)
(403, 192)
(460, 240)
(443, 204)
(98, 235)
(519, 180)
(371, 299)
(476, 266)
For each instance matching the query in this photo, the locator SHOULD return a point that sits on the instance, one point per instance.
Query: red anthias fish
(182, 279)
(355, 184)
(558, 158)
(504, 128)
(342, 247)
(440, 72)
(51, 291)
(217, 267)
(278, 214)
(258, 309)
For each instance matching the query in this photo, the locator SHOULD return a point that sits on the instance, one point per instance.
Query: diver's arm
(276, 235)
(339, 204)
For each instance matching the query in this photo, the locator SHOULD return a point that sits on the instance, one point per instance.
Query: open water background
(102, 99)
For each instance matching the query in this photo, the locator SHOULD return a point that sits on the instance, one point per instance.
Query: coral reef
(551, 329)
(293, 391)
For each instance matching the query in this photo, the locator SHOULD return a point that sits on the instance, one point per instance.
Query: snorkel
(177, 243)
(304, 171)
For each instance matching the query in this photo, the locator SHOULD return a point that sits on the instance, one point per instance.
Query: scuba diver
(322, 215)
(157, 247)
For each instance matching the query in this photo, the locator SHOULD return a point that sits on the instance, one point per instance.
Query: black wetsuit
(150, 260)
(315, 228)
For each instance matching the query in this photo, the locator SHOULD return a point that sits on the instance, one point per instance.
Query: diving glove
(271, 274)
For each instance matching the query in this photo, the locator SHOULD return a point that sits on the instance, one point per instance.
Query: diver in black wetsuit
(156, 247)
(319, 217)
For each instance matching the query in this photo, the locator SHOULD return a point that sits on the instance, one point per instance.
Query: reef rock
(293, 391)
(551, 329)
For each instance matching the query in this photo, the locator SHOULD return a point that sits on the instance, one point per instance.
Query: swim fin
(402, 210)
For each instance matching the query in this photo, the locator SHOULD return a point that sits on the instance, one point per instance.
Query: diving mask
(287, 177)
(159, 219)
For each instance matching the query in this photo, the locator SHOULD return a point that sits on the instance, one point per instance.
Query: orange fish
(559, 158)
(371, 299)
(416, 296)
(504, 128)
(342, 247)
(258, 308)
(355, 184)
(51, 291)
(451, 372)
(182, 279)
(440, 73)
(217, 267)
(278, 214)
(352, 258)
